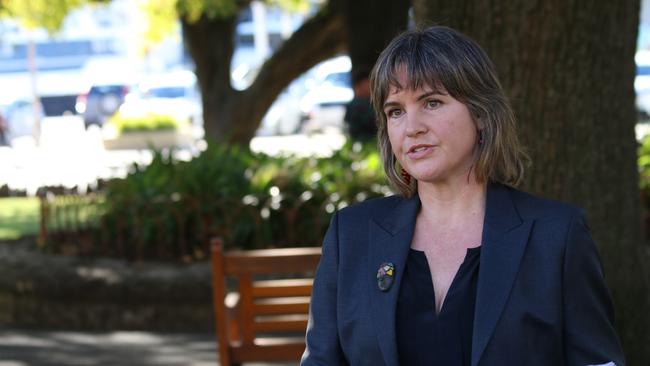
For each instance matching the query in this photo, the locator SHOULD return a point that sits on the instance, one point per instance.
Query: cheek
(394, 138)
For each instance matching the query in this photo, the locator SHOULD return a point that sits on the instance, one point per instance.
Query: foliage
(162, 15)
(18, 217)
(643, 163)
(192, 10)
(146, 122)
(296, 6)
(169, 209)
(161, 18)
(48, 14)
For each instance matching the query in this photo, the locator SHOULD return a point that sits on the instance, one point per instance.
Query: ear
(478, 116)
(480, 123)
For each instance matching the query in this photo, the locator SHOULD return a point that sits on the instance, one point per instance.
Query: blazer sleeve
(322, 341)
(590, 337)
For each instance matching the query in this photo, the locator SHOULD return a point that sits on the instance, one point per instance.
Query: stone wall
(60, 292)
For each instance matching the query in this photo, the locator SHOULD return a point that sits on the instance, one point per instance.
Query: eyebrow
(428, 94)
(420, 97)
(390, 104)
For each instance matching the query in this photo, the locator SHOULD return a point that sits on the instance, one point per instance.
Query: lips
(419, 151)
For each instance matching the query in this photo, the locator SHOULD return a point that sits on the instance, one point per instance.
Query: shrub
(145, 122)
(169, 209)
(643, 163)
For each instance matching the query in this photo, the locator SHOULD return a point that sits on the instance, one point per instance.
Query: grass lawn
(18, 216)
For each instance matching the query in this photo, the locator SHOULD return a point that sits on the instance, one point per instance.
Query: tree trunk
(568, 68)
(234, 116)
(371, 24)
(210, 42)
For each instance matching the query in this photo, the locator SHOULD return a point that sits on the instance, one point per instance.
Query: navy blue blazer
(541, 296)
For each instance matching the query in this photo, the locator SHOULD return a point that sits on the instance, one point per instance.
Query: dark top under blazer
(541, 297)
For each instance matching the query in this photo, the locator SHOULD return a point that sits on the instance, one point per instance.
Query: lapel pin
(385, 276)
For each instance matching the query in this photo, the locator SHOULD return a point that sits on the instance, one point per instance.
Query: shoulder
(533, 207)
(371, 207)
(554, 223)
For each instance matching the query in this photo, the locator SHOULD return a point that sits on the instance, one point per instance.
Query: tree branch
(321, 37)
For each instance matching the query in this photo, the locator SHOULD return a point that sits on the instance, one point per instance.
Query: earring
(406, 176)
(480, 137)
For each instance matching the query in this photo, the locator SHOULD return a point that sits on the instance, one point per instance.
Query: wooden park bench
(265, 319)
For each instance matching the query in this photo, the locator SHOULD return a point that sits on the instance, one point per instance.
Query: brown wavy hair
(443, 57)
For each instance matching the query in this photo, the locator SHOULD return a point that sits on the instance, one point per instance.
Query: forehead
(404, 79)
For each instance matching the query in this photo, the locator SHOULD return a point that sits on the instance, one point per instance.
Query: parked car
(101, 102)
(173, 93)
(324, 103)
(19, 119)
(314, 101)
(284, 116)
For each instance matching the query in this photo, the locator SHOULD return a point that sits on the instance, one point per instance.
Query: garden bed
(140, 140)
(63, 292)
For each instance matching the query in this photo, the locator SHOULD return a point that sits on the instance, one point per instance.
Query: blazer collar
(390, 238)
(505, 235)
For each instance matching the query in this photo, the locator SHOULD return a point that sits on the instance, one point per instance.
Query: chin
(428, 177)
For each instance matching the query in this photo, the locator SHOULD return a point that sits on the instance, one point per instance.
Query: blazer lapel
(390, 240)
(505, 236)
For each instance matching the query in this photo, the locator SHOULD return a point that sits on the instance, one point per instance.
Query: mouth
(420, 150)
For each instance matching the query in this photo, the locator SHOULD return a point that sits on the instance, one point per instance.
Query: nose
(414, 124)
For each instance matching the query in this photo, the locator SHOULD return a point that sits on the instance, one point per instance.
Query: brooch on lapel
(385, 276)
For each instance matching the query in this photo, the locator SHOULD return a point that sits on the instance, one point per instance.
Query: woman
(459, 268)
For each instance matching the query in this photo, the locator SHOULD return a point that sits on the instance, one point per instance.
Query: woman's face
(432, 134)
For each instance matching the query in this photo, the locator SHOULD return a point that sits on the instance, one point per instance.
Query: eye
(393, 113)
(433, 103)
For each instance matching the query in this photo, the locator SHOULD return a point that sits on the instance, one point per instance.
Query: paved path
(123, 348)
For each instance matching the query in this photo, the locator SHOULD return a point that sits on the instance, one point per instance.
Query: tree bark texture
(210, 43)
(371, 25)
(568, 68)
(233, 116)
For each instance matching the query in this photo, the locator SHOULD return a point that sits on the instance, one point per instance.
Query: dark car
(100, 103)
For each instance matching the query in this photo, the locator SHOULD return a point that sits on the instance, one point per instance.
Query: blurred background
(132, 131)
(69, 89)
(73, 88)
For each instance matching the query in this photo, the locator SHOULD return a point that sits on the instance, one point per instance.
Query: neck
(451, 202)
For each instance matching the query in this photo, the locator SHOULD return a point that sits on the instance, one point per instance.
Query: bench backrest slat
(278, 306)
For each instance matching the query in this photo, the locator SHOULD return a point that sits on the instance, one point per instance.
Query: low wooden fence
(69, 222)
(171, 228)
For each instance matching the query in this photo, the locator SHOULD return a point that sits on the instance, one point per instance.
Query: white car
(313, 102)
(19, 116)
(324, 104)
(284, 116)
(174, 94)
